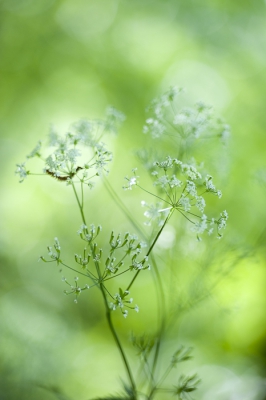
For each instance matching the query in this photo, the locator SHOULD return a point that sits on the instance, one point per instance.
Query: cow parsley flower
(168, 120)
(36, 151)
(182, 190)
(201, 225)
(154, 127)
(22, 172)
(222, 221)
(200, 203)
(131, 181)
(154, 212)
(184, 202)
(79, 154)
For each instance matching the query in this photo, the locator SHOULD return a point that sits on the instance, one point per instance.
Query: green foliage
(186, 385)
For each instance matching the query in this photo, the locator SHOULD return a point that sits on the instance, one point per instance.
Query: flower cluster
(131, 248)
(94, 265)
(89, 234)
(21, 171)
(120, 301)
(54, 254)
(154, 212)
(183, 188)
(132, 181)
(187, 122)
(75, 289)
(68, 160)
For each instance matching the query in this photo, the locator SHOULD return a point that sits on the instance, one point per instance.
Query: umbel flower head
(80, 153)
(124, 256)
(181, 187)
(167, 119)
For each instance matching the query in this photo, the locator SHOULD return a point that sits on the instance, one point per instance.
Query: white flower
(200, 203)
(224, 214)
(36, 150)
(185, 202)
(112, 306)
(201, 225)
(174, 182)
(209, 184)
(153, 212)
(72, 155)
(21, 171)
(154, 127)
(181, 119)
(163, 181)
(222, 220)
(115, 115)
(132, 181)
(191, 188)
(190, 171)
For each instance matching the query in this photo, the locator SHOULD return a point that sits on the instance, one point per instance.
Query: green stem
(160, 296)
(122, 207)
(107, 309)
(162, 327)
(152, 245)
(156, 388)
(118, 343)
(158, 345)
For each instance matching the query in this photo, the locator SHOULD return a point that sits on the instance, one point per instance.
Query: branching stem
(107, 308)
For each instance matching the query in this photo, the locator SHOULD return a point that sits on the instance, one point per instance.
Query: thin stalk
(118, 343)
(152, 246)
(82, 194)
(122, 206)
(158, 345)
(155, 388)
(112, 277)
(158, 282)
(107, 309)
(154, 195)
(88, 275)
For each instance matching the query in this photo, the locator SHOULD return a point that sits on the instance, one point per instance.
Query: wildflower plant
(78, 159)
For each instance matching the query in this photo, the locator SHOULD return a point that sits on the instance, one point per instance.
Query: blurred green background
(63, 60)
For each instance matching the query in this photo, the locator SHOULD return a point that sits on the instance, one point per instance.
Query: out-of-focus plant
(179, 187)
